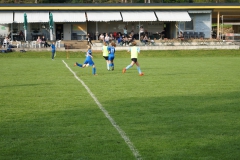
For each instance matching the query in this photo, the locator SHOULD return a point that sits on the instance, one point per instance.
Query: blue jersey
(88, 59)
(53, 48)
(111, 50)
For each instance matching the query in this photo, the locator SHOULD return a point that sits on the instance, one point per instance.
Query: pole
(96, 30)
(218, 25)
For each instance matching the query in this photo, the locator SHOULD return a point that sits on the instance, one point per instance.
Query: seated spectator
(115, 35)
(120, 39)
(111, 38)
(130, 39)
(39, 41)
(5, 42)
(44, 42)
(125, 40)
(101, 38)
(180, 35)
(145, 39)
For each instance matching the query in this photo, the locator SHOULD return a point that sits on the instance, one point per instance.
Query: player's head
(88, 47)
(113, 44)
(105, 44)
(134, 43)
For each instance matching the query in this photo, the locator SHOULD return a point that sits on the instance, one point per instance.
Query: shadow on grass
(180, 127)
(25, 85)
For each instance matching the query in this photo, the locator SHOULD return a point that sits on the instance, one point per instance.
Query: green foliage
(119, 1)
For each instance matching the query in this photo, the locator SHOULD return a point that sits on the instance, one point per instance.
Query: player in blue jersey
(111, 56)
(134, 55)
(88, 61)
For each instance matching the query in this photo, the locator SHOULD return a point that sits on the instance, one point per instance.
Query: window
(189, 25)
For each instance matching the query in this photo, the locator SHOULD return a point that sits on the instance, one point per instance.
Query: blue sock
(79, 65)
(129, 66)
(94, 71)
(139, 70)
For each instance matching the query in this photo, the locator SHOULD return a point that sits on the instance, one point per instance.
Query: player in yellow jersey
(134, 55)
(105, 53)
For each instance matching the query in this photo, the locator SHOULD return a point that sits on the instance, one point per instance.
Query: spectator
(39, 41)
(141, 31)
(120, 39)
(101, 38)
(125, 31)
(44, 42)
(21, 35)
(107, 38)
(5, 42)
(89, 39)
(145, 39)
(111, 38)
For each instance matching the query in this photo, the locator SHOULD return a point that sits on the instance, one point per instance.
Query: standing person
(53, 50)
(111, 56)
(21, 36)
(107, 38)
(134, 55)
(89, 39)
(105, 53)
(141, 31)
(88, 60)
(125, 32)
(101, 38)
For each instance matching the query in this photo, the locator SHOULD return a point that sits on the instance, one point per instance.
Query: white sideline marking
(120, 131)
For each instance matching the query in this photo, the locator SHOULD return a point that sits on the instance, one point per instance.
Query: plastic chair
(19, 44)
(33, 44)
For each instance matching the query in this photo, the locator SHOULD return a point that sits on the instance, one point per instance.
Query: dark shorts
(105, 57)
(134, 60)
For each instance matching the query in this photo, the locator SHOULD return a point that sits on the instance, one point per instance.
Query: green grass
(186, 106)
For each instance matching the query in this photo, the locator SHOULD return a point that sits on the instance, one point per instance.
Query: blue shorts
(89, 61)
(110, 58)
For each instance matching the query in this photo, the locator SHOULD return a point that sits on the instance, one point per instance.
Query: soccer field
(186, 106)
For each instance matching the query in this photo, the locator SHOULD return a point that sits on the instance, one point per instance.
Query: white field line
(120, 131)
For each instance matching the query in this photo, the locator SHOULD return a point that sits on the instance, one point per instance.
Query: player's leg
(138, 68)
(93, 70)
(130, 65)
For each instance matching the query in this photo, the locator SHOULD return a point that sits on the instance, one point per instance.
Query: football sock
(94, 71)
(79, 65)
(108, 66)
(129, 66)
(139, 70)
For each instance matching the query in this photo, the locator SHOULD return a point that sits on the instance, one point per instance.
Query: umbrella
(51, 25)
(25, 25)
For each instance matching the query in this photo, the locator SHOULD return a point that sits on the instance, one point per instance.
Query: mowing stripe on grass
(120, 131)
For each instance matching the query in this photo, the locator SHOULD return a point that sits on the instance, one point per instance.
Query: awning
(104, 16)
(200, 11)
(138, 16)
(6, 17)
(178, 16)
(69, 16)
(32, 16)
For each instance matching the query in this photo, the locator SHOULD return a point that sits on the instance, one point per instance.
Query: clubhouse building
(75, 21)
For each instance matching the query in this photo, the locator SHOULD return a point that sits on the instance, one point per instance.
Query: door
(66, 31)
(59, 31)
